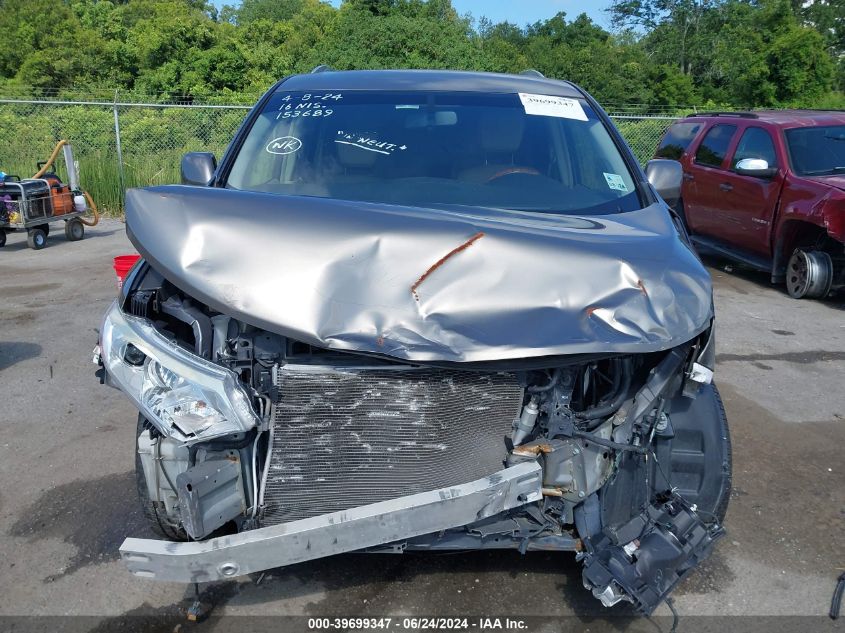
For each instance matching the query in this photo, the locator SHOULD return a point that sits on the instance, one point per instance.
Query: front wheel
(36, 239)
(154, 511)
(809, 274)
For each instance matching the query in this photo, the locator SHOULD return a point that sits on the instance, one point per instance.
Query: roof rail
(321, 69)
(530, 72)
(738, 115)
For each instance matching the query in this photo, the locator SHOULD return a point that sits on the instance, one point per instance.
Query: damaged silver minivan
(421, 310)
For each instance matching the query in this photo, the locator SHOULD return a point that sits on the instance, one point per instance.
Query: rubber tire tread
(722, 507)
(158, 521)
(31, 237)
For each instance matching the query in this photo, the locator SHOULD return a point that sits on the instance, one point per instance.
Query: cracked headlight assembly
(186, 397)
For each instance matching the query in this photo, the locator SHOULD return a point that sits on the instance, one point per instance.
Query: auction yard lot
(68, 483)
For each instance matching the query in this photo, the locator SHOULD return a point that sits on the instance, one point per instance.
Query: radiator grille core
(348, 438)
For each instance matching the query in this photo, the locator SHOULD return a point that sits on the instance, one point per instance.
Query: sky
(520, 12)
(523, 12)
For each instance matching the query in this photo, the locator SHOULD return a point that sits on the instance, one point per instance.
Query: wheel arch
(695, 457)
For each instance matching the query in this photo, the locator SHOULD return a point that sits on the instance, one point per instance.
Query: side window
(713, 148)
(678, 137)
(756, 143)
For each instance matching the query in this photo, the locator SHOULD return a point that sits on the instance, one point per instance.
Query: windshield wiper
(826, 172)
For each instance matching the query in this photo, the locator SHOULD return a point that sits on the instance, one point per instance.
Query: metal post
(120, 175)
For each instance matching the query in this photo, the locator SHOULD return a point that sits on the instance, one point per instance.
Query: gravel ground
(68, 495)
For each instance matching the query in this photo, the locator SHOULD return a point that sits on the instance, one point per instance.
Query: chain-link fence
(119, 145)
(642, 132)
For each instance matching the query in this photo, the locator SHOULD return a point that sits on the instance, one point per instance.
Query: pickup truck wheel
(809, 274)
(154, 511)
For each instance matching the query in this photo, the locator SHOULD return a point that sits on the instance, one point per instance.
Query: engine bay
(337, 431)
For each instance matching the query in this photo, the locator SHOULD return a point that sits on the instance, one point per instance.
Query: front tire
(36, 239)
(154, 511)
(809, 274)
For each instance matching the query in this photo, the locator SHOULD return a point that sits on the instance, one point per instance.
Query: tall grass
(153, 141)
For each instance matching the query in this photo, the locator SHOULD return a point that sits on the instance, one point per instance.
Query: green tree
(272, 10)
(399, 34)
(828, 18)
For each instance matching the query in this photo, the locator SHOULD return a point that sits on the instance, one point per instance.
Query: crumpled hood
(426, 284)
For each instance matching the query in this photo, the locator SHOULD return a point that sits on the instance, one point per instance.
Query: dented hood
(427, 284)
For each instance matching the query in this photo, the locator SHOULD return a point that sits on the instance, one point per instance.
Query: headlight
(181, 404)
(186, 397)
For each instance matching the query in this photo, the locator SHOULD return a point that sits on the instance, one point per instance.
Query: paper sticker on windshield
(284, 145)
(614, 181)
(560, 107)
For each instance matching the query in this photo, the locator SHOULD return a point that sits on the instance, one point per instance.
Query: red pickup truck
(767, 189)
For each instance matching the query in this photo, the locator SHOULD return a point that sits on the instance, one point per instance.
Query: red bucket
(122, 265)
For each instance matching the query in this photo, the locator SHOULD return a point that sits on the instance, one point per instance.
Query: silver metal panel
(349, 438)
(427, 284)
(325, 535)
(210, 494)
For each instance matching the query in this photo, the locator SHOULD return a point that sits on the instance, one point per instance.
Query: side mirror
(198, 168)
(666, 177)
(756, 167)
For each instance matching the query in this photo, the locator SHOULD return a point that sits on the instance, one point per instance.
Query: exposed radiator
(353, 437)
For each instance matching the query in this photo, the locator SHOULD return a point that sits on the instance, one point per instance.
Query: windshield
(817, 151)
(511, 151)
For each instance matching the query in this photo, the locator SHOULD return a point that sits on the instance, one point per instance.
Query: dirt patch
(789, 506)
(170, 618)
(93, 515)
(30, 289)
(802, 358)
(12, 352)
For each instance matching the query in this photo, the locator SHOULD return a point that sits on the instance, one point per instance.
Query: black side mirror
(666, 177)
(756, 167)
(198, 168)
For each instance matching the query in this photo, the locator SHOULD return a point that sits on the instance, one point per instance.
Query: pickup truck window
(715, 145)
(429, 148)
(817, 151)
(677, 139)
(756, 143)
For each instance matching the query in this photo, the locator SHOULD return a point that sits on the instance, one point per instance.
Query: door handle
(726, 186)
(688, 176)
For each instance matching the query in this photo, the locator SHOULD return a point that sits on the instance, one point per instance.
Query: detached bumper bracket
(643, 560)
(335, 533)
